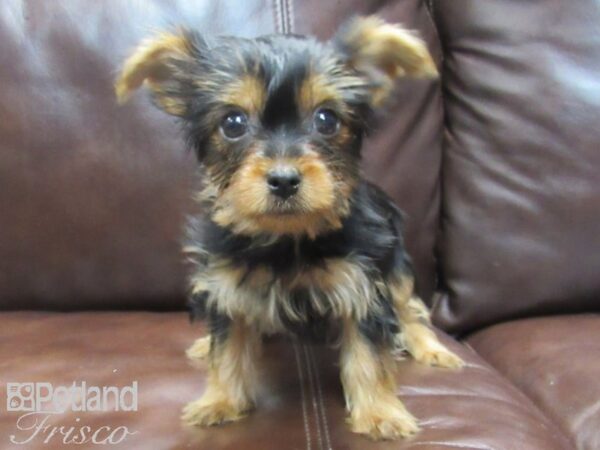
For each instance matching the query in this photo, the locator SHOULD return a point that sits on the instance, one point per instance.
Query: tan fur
(232, 379)
(424, 346)
(199, 350)
(318, 186)
(315, 90)
(310, 224)
(340, 287)
(245, 205)
(247, 92)
(148, 64)
(369, 388)
(408, 306)
(416, 336)
(391, 48)
(319, 90)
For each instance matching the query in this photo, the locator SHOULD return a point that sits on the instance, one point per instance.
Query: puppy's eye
(326, 121)
(234, 125)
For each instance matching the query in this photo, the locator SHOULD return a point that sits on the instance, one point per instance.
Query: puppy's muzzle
(283, 182)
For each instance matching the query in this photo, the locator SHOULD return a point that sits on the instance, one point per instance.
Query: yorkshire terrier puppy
(292, 239)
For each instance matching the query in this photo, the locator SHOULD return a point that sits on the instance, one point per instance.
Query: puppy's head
(277, 122)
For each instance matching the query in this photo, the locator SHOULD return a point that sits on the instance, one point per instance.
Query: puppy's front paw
(204, 413)
(385, 423)
(422, 343)
(199, 349)
(439, 357)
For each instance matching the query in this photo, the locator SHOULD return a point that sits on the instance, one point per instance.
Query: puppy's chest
(307, 298)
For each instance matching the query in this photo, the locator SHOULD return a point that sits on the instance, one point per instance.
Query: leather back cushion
(93, 196)
(521, 214)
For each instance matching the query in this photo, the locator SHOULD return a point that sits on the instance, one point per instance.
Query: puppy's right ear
(163, 65)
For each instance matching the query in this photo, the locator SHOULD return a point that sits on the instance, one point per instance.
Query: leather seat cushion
(301, 405)
(556, 362)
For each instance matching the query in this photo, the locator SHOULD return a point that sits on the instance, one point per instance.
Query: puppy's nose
(283, 182)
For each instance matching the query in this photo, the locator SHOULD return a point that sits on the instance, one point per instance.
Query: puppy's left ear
(163, 65)
(384, 52)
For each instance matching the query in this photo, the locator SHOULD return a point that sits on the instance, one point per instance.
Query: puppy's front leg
(232, 377)
(369, 388)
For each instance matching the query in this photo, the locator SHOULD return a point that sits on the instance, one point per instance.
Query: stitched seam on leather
(277, 14)
(283, 16)
(303, 398)
(290, 15)
(320, 397)
(313, 397)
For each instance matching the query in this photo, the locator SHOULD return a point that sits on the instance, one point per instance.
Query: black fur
(372, 233)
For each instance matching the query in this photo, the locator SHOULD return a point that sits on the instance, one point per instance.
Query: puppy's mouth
(282, 198)
(286, 208)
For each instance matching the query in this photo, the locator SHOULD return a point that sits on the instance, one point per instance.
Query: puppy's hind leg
(200, 349)
(416, 335)
(232, 377)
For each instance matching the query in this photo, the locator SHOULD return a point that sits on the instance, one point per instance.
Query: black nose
(283, 182)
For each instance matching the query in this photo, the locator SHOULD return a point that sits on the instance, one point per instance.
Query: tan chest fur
(340, 288)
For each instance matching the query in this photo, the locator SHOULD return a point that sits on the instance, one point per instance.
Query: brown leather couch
(497, 166)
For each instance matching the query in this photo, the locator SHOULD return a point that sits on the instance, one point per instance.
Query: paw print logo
(20, 397)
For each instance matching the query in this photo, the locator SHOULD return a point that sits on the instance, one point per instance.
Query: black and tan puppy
(293, 240)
